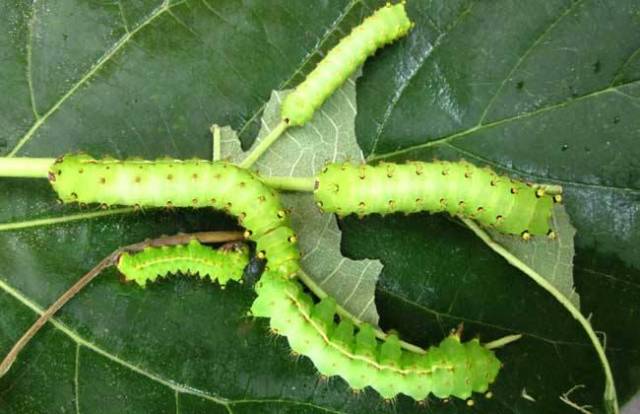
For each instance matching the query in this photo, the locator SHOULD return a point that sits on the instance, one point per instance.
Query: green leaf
(547, 92)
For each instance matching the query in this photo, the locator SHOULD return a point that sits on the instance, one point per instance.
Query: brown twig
(203, 237)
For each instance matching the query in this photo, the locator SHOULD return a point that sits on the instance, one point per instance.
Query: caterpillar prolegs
(221, 264)
(452, 368)
(459, 188)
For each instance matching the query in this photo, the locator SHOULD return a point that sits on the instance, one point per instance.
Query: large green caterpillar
(222, 264)
(386, 25)
(459, 188)
(452, 368)
(190, 183)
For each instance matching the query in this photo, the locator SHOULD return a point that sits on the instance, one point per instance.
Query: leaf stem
(39, 168)
(110, 260)
(552, 189)
(500, 342)
(217, 145)
(304, 184)
(610, 397)
(264, 144)
(25, 167)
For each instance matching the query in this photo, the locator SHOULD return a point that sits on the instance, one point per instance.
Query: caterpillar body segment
(189, 183)
(190, 259)
(459, 188)
(452, 368)
(386, 25)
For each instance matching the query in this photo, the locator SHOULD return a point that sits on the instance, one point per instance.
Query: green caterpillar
(189, 183)
(452, 368)
(386, 25)
(459, 188)
(193, 259)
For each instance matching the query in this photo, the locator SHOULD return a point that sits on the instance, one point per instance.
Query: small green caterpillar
(193, 259)
(386, 25)
(452, 368)
(459, 188)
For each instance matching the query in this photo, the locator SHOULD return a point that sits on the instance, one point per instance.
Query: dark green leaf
(548, 91)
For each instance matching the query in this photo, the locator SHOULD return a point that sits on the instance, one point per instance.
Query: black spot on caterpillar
(191, 259)
(452, 368)
(386, 25)
(459, 188)
(189, 183)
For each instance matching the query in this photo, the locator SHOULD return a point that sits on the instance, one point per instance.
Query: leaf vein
(76, 377)
(105, 58)
(62, 219)
(524, 56)
(619, 72)
(478, 128)
(29, 46)
(439, 315)
(537, 176)
(422, 59)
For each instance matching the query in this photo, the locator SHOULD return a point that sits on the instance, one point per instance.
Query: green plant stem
(39, 168)
(500, 342)
(217, 145)
(304, 184)
(25, 167)
(264, 144)
(610, 397)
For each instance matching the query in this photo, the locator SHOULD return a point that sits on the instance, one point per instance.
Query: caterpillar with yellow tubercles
(458, 188)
